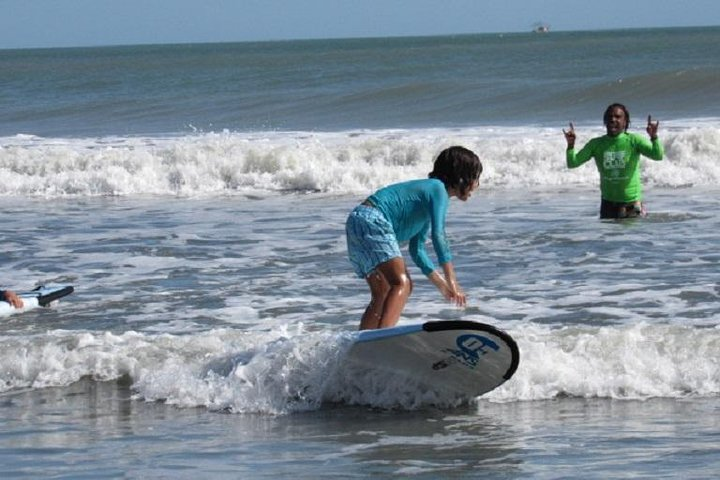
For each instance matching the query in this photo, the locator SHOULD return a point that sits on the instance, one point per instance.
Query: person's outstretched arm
(573, 159)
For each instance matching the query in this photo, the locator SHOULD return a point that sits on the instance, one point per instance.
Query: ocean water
(195, 196)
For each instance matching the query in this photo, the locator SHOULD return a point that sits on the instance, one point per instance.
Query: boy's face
(617, 123)
(464, 197)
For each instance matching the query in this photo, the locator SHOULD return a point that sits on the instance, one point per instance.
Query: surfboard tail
(467, 324)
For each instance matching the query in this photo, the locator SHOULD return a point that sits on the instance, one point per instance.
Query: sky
(71, 23)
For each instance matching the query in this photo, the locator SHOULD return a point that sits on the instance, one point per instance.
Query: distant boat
(541, 28)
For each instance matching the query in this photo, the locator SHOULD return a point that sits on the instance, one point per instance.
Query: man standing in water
(617, 157)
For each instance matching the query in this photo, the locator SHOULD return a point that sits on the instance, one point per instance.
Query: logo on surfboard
(470, 347)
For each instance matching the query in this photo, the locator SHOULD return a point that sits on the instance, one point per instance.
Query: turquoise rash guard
(618, 161)
(415, 208)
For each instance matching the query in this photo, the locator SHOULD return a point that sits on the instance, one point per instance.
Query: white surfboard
(460, 357)
(40, 297)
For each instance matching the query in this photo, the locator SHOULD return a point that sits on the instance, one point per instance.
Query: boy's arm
(448, 285)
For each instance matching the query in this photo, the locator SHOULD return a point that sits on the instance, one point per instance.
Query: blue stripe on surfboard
(370, 335)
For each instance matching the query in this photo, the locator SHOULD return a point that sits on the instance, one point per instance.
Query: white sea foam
(638, 361)
(245, 305)
(285, 371)
(349, 162)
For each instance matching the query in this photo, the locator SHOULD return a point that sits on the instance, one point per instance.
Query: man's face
(617, 123)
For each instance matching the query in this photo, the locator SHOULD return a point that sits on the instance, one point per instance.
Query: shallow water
(205, 337)
(96, 430)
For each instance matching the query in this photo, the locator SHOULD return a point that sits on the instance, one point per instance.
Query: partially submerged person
(12, 298)
(617, 157)
(409, 211)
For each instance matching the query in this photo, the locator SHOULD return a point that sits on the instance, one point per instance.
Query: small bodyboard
(461, 357)
(39, 297)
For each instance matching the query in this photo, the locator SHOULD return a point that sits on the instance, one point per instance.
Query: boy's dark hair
(458, 168)
(608, 113)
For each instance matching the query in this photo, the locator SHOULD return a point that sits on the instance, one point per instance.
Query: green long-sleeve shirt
(618, 161)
